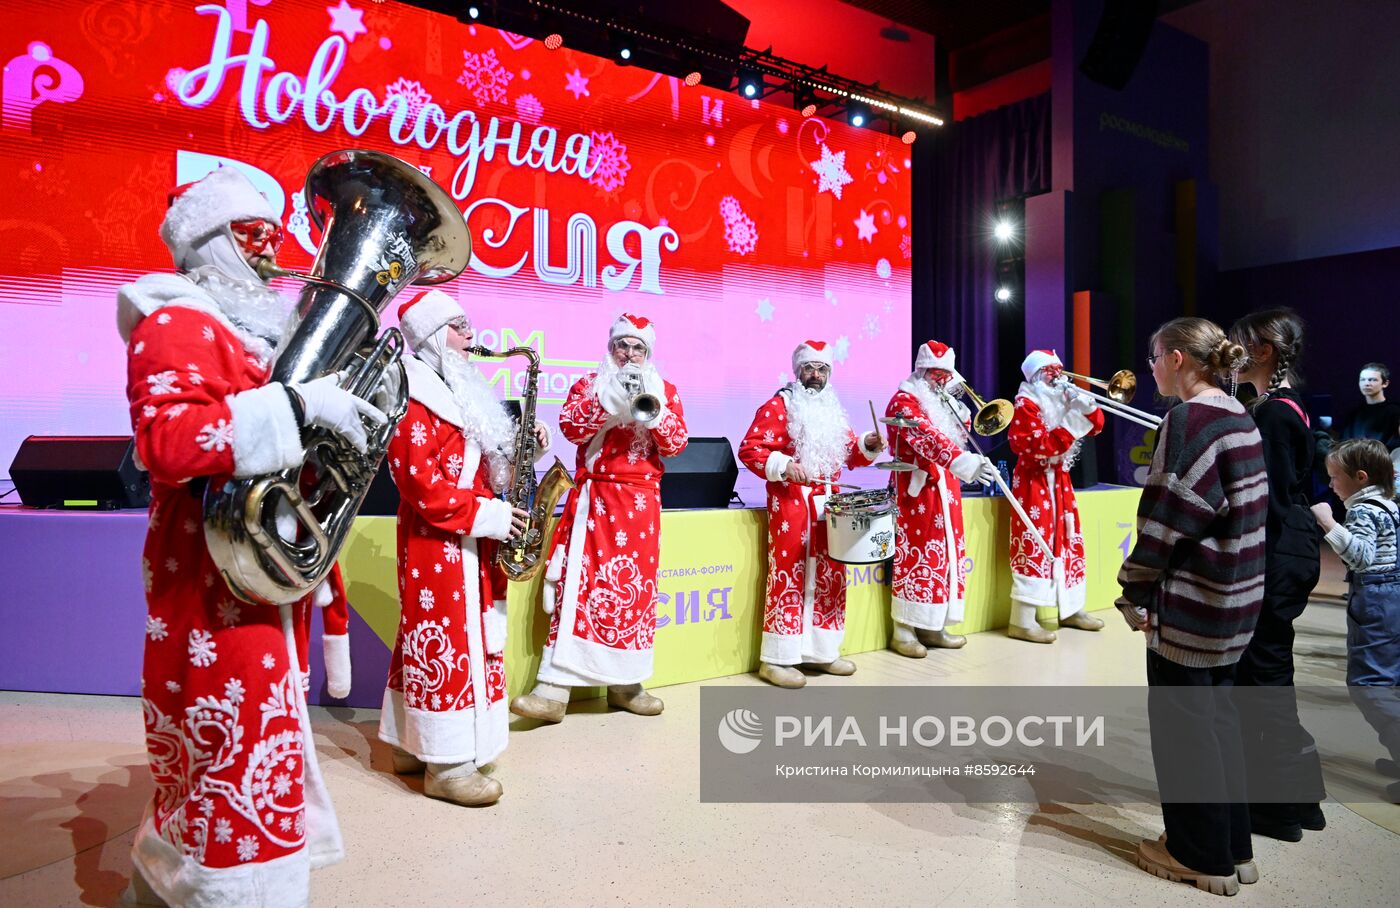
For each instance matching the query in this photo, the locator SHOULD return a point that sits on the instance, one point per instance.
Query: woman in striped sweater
(1193, 585)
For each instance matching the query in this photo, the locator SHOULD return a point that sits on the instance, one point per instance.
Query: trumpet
(642, 404)
(992, 416)
(1120, 389)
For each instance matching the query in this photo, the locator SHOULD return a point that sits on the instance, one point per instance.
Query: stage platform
(73, 609)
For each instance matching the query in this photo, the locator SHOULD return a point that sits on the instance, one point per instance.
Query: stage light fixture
(554, 41)
(473, 12)
(693, 78)
(621, 49)
(751, 84)
(1004, 230)
(1003, 294)
(909, 137)
(857, 113)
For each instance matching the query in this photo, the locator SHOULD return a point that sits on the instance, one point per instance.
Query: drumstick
(874, 421)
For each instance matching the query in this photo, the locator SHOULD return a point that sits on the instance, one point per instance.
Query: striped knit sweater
(1366, 542)
(1197, 569)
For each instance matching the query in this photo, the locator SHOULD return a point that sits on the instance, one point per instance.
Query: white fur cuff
(492, 519)
(336, 649)
(1077, 424)
(265, 434)
(776, 465)
(965, 465)
(496, 625)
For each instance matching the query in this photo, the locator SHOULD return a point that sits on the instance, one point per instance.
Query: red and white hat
(421, 317)
(811, 351)
(1037, 360)
(638, 326)
(935, 355)
(200, 208)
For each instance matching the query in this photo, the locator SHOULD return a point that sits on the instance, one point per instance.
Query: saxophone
(522, 556)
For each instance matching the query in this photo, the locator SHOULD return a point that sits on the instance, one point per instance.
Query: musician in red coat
(799, 441)
(240, 814)
(1045, 434)
(927, 591)
(600, 583)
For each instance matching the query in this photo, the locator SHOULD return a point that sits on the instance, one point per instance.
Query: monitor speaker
(1118, 42)
(701, 476)
(76, 471)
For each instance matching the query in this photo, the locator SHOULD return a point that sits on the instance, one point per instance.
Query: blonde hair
(1203, 341)
(1357, 454)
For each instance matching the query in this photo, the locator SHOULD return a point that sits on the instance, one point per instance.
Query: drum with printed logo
(860, 526)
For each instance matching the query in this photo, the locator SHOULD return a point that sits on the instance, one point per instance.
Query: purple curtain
(968, 167)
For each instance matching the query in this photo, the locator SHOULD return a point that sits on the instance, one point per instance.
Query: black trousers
(1195, 750)
(1284, 767)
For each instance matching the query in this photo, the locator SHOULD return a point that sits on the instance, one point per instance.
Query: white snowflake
(528, 109)
(229, 612)
(172, 565)
(414, 573)
(592, 524)
(216, 436)
(147, 575)
(162, 382)
(138, 347)
(191, 527)
(163, 318)
(451, 552)
(842, 349)
(872, 327)
(267, 661)
(172, 412)
(831, 171)
(418, 434)
(148, 411)
(620, 538)
(608, 159)
(437, 568)
(234, 691)
(784, 527)
(208, 334)
(173, 686)
(201, 649)
(938, 521)
(414, 96)
(425, 600)
(453, 465)
(639, 501)
(1034, 511)
(282, 785)
(195, 378)
(285, 824)
(484, 76)
(247, 848)
(156, 628)
(223, 830)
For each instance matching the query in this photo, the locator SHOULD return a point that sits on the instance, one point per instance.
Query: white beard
(258, 313)
(948, 421)
(487, 422)
(609, 373)
(819, 427)
(1054, 407)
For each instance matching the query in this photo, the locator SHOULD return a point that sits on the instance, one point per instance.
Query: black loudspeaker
(701, 476)
(77, 471)
(1120, 39)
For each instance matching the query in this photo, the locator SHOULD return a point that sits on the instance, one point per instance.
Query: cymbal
(897, 466)
(899, 422)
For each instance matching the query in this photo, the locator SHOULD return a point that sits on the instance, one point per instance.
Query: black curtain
(958, 178)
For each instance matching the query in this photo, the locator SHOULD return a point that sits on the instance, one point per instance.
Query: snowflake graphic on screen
(872, 327)
(741, 234)
(414, 95)
(831, 171)
(843, 349)
(608, 158)
(906, 246)
(528, 109)
(484, 76)
(729, 208)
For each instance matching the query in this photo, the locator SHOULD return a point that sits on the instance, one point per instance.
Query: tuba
(522, 557)
(384, 225)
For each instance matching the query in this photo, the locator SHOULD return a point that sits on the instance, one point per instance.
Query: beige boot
(139, 894)
(473, 790)
(632, 698)
(405, 763)
(782, 675)
(836, 667)
(1152, 856)
(1082, 621)
(1035, 634)
(911, 648)
(533, 706)
(942, 639)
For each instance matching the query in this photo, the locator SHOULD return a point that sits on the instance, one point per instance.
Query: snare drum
(860, 526)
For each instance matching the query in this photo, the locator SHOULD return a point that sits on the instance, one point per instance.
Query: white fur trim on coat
(428, 388)
(776, 465)
(265, 434)
(492, 520)
(336, 649)
(496, 627)
(210, 204)
(153, 292)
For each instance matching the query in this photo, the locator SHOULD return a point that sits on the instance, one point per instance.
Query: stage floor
(604, 809)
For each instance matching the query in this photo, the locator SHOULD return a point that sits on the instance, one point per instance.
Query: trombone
(1120, 390)
(991, 416)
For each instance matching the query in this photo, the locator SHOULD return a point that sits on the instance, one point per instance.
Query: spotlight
(809, 110)
(909, 137)
(621, 50)
(1004, 231)
(857, 114)
(804, 100)
(1003, 294)
(751, 84)
(554, 41)
(473, 12)
(692, 79)
(625, 53)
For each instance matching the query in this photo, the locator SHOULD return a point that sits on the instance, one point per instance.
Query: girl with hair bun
(1279, 751)
(1193, 586)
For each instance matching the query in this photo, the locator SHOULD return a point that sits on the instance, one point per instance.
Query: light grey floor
(604, 810)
